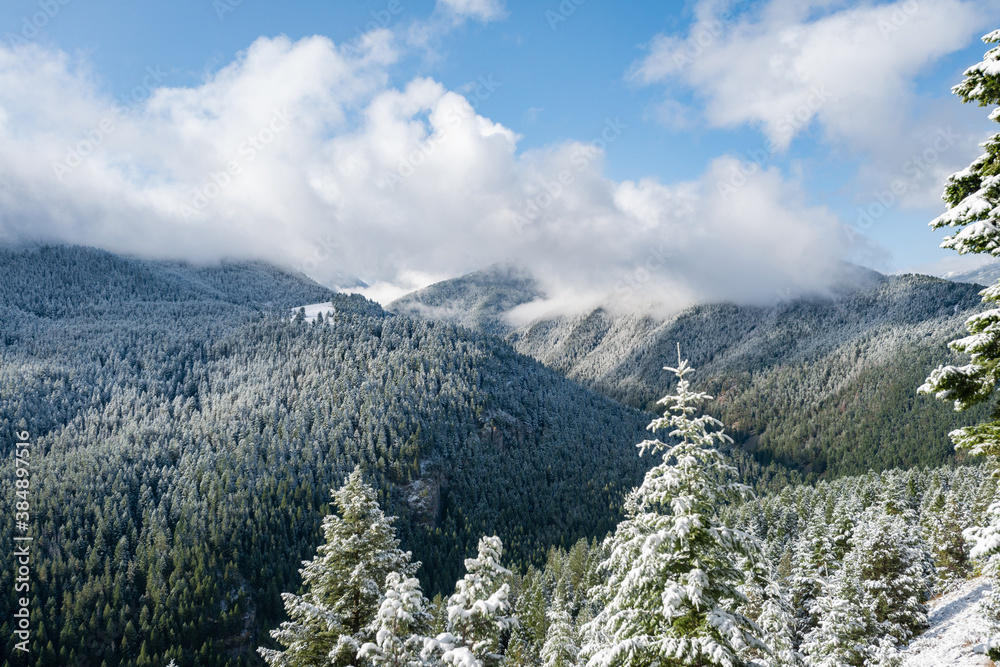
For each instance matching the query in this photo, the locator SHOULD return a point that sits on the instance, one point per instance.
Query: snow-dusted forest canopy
(817, 384)
(218, 479)
(188, 430)
(700, 572)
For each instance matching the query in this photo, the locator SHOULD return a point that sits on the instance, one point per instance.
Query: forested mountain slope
(479, 300)
(819, 384)
(984, 275)
(186, 432)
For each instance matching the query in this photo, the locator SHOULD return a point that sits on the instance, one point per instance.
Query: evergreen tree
(814, 562)
(531, 606)
(768, 606)
(837, 639)
(875, 602)
(776, 621)
(477, 612)
(519, 652)
(672, 576)
(973, 198)
(400, 625)
(332, 619)
(561, 647)
(887, 573)
(943, 531)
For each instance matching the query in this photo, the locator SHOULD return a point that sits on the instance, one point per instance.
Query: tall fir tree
(814, 562)
(561, 648)
(673, 580)
(530, 608)
(777, 622)
(332, 619)
(887, 572)
(478, 619)
(943, 523)
(400, 626)
(837, 639)
(768, 605)
(973, 197)
(875, 603)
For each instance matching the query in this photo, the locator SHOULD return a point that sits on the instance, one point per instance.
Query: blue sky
(710, 149)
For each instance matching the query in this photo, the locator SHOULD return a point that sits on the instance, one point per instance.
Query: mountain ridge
(835, 353)
(186, 431)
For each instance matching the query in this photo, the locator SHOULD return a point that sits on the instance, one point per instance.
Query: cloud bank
(302, 154)
(849, 71)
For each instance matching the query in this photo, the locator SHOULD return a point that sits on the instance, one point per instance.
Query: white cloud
(848, 68)
(531, 115)
(482, 10)
(300, 153)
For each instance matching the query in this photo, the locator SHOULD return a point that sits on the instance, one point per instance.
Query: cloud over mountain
(302, 153)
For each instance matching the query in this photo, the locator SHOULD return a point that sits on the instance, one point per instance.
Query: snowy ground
(956, 628)
(314, 309)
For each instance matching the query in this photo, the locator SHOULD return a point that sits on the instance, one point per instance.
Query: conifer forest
(231, 460)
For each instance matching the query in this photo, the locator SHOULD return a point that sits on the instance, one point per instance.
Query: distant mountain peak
(478, 300)
(983, 275)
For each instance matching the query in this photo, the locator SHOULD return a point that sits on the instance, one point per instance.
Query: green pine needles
(673, 577)
(973, 198)
(333, 618)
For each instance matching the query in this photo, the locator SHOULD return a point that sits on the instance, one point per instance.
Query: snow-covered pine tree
(673, 579)
(943, 522)
(837, 640)
(477, 612)
(777, 622)
(973, 197)
(814, 562)
(332, 619)
(888, 573)
(578, 560)
(768, 606)
(530, 608)
(561, 648)
(875, 602)
(400, 626)
(520, 651)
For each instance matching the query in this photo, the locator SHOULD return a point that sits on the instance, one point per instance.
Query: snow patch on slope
(314, 309)
(956, 627)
